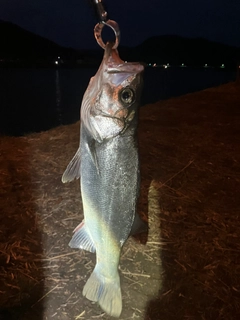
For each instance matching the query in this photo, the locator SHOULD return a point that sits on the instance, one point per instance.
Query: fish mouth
(111, 55)
(116, 65)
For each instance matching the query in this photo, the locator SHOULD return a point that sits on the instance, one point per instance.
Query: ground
(189, 265)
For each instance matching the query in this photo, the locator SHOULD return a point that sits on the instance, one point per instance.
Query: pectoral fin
(73, 169)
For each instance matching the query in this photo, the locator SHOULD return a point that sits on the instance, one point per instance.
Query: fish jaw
(103, 111)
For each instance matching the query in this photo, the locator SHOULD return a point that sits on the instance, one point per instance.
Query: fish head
(112, 99)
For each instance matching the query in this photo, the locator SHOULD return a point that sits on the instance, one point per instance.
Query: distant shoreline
(76, 65)
(39, 65)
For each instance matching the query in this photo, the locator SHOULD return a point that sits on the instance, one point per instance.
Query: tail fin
(106, 292)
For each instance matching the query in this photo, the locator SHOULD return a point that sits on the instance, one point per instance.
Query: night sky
(71, 22)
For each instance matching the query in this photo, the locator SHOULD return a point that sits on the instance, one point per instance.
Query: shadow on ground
(193, 157)
(21, 273)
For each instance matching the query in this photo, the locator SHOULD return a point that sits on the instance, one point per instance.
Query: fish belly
(109, 187)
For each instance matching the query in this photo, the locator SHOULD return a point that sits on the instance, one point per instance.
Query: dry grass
(190, 266)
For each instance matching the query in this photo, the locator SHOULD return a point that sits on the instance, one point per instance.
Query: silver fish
(107, 162)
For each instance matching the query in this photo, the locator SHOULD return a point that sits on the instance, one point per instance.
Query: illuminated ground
(190, 266)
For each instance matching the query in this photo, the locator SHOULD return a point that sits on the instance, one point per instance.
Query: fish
(107, 163)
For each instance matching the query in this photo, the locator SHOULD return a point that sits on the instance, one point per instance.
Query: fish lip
(112, 54)
(115, 64)
(125, 67)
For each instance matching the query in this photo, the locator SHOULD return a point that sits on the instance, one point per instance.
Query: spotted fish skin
(107, 162)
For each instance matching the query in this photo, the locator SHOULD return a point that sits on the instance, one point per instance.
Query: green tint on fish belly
(103, 238)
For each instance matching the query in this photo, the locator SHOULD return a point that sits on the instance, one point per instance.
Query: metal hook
(104, 21)
(98, 30)
(102, 13)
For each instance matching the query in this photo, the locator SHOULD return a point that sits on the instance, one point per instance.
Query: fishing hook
(101, 12)
(104, 21)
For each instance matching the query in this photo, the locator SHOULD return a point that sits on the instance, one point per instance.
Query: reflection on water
(58, 98)
(33, 100)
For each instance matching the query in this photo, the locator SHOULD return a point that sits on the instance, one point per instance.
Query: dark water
(33, 100)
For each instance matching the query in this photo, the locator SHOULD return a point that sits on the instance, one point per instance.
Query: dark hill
(18, 43)
(191, 51)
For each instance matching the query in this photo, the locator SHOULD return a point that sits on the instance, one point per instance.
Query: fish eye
(127, 95)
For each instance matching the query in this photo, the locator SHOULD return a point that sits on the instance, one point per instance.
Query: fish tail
(105, 291)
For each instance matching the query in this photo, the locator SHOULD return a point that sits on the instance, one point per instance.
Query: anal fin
(81, 239)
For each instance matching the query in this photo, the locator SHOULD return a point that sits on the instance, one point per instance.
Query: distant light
(222, 66)
(168, 64)
(59, 57)
(154, 65)
(56, 62)
(150, 64)
(165, 66)
(205, 65)
(182, 64)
